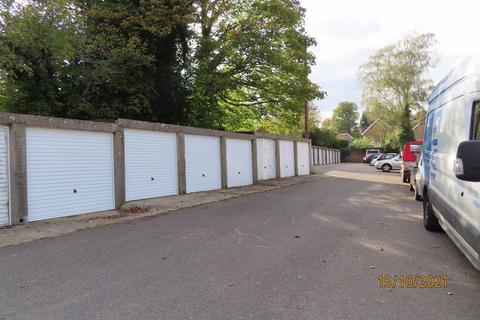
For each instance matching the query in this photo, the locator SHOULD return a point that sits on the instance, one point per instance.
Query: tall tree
(394, 79)
(364, 122)
(345, 117)
(406, 132)
(137, 53)
(40, 57)
(252, 60)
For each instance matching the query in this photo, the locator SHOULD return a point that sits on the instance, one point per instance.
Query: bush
(392, 142)
(326, 137)
(361, 143)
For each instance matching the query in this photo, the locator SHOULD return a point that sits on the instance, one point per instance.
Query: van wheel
(386, 167)
(430, 221)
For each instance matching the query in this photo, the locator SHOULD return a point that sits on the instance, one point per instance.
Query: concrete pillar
(295, 157)
(182, 180)
(119, 165)
(277, 157)
(18, 173)
(254, 161)
(223, 156)
(310, 157)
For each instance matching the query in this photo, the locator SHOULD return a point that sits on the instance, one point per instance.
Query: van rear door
(468, 220)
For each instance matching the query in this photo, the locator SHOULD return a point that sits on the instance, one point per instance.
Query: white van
(451, 158)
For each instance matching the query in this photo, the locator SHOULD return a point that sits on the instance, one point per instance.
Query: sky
(349, 31)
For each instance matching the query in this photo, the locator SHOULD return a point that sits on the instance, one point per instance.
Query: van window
(476, 121)
(429, 132)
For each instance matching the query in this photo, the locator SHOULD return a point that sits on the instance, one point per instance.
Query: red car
(410, 151)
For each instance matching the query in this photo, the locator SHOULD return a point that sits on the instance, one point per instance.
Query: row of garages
(321, 156)
(71, 172)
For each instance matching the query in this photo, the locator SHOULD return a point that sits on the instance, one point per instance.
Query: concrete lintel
(55, 123)
(18, 173)
(278, 136)
(156, 126)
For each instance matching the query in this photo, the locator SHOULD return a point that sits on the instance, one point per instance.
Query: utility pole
(305, 135)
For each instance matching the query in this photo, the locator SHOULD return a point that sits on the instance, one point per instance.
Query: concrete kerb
(140, 209)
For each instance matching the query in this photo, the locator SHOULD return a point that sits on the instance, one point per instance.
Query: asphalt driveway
(309, 251)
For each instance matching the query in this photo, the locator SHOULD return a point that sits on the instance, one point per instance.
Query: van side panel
(449, 130)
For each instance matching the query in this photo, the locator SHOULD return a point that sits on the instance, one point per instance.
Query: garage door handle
(239, 172)
(203, 174)
(74, 190)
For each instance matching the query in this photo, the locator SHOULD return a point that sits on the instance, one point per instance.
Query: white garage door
(150, 164)
(4, 178)
(287, 160)
(68, 172)
(266, 159)
(303, 156)
(202, 163)
(239, 162)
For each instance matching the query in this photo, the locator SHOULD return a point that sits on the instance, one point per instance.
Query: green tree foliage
(345, 117)
(394, 80)
(253, 61)
(406, 133)
(137, 54)
(361, 143)
(327, 137)
(391, 142)
(364, 122)
(40, 58)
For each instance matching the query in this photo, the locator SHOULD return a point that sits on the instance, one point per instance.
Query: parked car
(451, 159)
(416, 179)
(370, 153)
(370, 157)
(383, 156)
(410, 153)
(388, 165)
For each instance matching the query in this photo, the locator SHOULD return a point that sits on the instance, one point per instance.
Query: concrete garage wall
(322, 156)
(18, 125)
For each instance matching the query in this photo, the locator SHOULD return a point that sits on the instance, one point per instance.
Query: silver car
(383, 156)
(388, 165)
(416, 180)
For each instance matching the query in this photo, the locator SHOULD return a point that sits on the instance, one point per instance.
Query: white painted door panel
(4, 178)
(202, 163)
(68, 172)
(150, 164)
(287, 160)
(303, 156)
(239, 162)
(266, 159)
